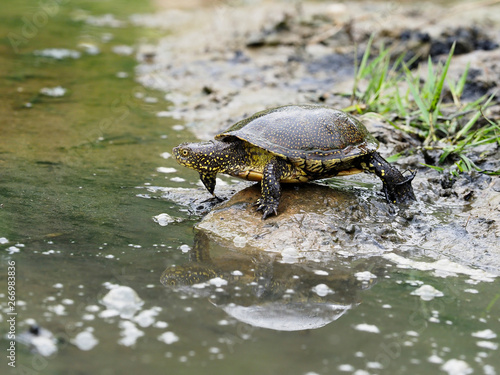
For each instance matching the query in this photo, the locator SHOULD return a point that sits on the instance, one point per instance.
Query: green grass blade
(360, 71)
(439, 88)
(362, 67)
(430, 83)
(473, 120)
(447, 151)
(461, 82)
(399, 103)
(418, 100)
(454, 93)
(433, 167)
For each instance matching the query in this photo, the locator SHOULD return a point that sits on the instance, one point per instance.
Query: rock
(311, 218)
(496, 185)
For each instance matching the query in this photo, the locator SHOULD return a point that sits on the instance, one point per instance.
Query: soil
(222, 62)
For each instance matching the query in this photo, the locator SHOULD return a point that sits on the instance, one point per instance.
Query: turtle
(293, 144)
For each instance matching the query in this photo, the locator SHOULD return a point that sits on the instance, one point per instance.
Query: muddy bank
(222, 63)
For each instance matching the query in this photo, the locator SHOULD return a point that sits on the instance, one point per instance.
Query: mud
(224, 69)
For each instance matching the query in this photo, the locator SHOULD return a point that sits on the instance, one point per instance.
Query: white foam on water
(123, 300)
(367, 328)
(487, 345)
(427, 292)
(456, 367)
(168, 338)
(166, 170)
(85, 341)
(486, 334)
(147, 317)
(58, 53)
(321, 273)
(442, 268)
(364, 276)
(217, 281)
(130, 333)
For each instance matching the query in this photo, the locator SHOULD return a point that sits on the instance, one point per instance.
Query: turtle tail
(396, 186)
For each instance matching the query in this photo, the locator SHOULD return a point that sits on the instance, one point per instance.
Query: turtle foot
(400, 192)
(214, 199)
(267, 206)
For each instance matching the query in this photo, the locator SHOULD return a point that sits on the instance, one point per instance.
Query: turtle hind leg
(396, 186)
(270, 187)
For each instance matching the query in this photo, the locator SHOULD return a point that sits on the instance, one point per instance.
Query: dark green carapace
(295, 143)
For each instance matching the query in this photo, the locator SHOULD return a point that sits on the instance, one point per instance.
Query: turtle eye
(184, 152)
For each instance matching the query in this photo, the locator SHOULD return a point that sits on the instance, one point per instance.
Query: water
(77, 220)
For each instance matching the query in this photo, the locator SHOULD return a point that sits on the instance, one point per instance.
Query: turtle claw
(268, 208)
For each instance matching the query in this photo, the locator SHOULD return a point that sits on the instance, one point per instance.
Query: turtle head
(207, 158)
(198, 156)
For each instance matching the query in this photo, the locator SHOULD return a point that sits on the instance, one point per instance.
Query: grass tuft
(453, 127)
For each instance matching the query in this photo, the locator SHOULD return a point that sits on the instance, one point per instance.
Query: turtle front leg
(270, 187)
(397, 187)
(208, 180)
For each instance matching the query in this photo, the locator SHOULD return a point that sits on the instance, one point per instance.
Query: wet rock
(496, 185)
(311, 218)
(316, 221)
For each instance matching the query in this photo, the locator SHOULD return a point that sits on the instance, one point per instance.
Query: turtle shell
(305, 132)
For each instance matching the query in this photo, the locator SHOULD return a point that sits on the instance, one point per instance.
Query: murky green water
(77, 220)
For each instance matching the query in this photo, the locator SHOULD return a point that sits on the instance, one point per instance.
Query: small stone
(350, 229)
(496, 185)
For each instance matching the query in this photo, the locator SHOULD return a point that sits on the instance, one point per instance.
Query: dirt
(223, 62)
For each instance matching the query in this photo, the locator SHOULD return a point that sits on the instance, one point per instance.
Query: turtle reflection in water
(295, 143)
(263, 292)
